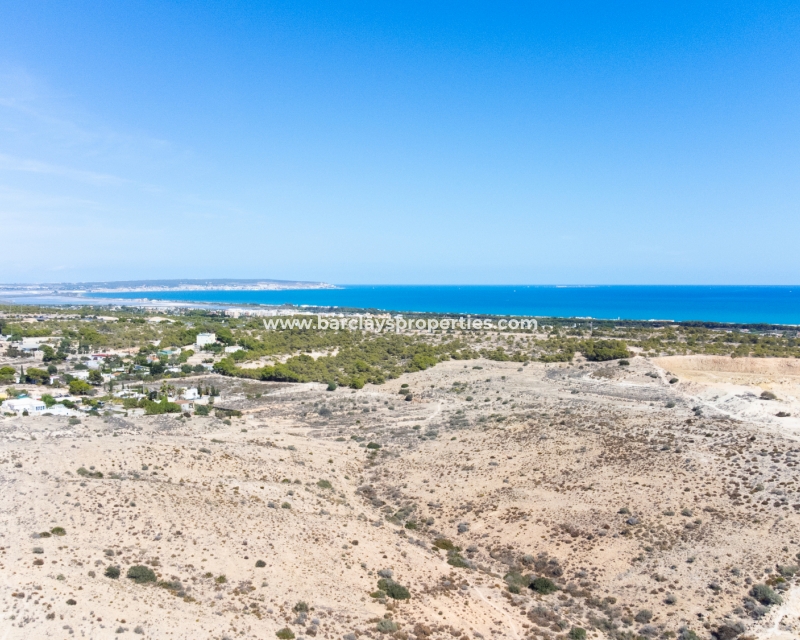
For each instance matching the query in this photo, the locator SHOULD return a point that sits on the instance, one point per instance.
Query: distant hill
(220, 284)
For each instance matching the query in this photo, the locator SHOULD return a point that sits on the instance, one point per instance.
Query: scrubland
(485, 498)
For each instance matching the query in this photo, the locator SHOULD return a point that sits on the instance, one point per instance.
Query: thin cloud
(11, 163)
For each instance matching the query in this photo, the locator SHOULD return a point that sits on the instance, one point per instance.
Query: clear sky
(382, 142)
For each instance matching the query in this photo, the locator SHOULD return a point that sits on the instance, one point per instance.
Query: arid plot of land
(650, 507)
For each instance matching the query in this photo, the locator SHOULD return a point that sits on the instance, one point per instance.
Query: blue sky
(405, 143)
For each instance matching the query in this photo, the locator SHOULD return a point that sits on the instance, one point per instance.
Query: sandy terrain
(652, 506)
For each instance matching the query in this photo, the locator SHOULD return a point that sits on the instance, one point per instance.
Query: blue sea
(737, 304)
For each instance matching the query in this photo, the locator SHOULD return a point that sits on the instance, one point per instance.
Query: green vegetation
(765, 595)
(84, 472)
(393, 589)
(544, 586)
(285, 634)
(353, 358)
(387, 625)
(112, 572)
(444, 544)
(517, 582)
(80, 388)
(454, 559)
(141, 574)
(644, 616)
(37, 376)
(153, 408)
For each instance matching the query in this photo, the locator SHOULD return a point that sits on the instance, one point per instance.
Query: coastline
(777, 306)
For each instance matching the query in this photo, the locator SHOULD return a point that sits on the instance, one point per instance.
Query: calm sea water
(751, 304)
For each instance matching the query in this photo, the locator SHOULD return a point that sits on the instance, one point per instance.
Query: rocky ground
(504, 500)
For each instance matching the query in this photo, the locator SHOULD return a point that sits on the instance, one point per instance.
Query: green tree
(37, 376)
(80, 388)
(7, 374)
(51, 355)
(95, 377)
(157, 369)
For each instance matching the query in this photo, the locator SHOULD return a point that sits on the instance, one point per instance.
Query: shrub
(58, 531)
(324, 484)
(411, 525)
(332, 386)
(765, 595)
(577, 633)
(624, 363)
(517, 580)
(285, 634)
(201, 410)
(44, 534)
(71, 602)
(543, 586)
(444, 544)
(285, 505)
(141, 574)
(393, 589)
(80, 388)
(89, 474)
(454, 559)
(768, 395)
(673, 380)
(112, 572)
(387, 625)
(153, 408)
(602, 350)
(260, 564)
(300, 607)
(38, 550)
(373, 445)
(220, 579)
(644, 616)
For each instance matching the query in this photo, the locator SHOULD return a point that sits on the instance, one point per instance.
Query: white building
(190, 394)
(59, 410)
(80, 374)
(18, 405)
(233, 349)
(205, 338)
(32, 344)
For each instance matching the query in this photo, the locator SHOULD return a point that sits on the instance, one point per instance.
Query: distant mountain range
(212, 284)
